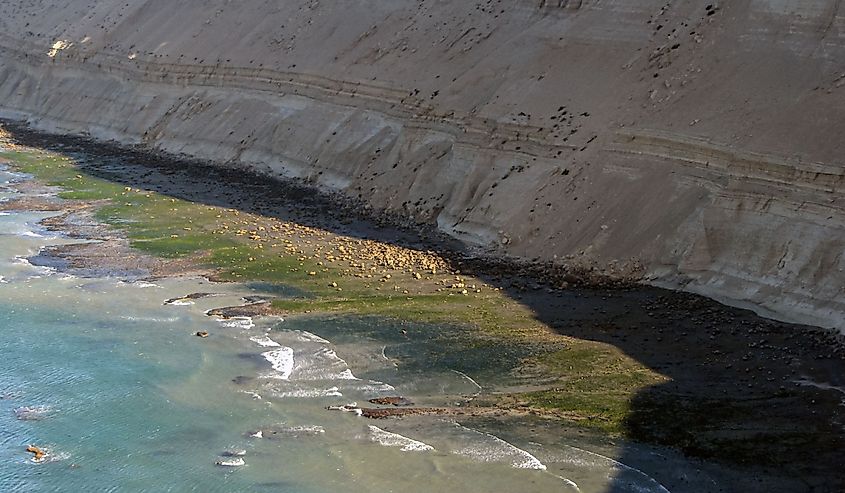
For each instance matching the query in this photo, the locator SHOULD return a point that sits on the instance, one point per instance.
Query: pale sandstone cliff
(698, 144)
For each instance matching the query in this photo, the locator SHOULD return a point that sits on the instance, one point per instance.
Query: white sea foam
(264, 341)
(347, 408)
(306, 336)
(308, 393)
(323, 364)
(643, 483)
(236, 462)
(346, 375)
(3, 280)
(38, 268)
(384, 356)
(313, 361)
(307, 429)
(569, 482)
(49, 456)
(252, 394)
(479, 388)
(245, 323)
(145, 284)
(297, 431)
(281, 360)
(389, 439)
(180, 302)
(32, 413)
(133, 318)
(491, 448)
(307, 366)
(376, 388)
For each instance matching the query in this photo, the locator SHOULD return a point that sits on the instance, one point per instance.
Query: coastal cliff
(695, 145)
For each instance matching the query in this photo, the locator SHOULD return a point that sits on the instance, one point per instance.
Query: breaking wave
(388, 439)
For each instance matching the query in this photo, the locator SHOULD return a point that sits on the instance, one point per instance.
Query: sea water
(113, 383)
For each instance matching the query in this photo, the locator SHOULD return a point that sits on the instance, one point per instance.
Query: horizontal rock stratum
(691, 144)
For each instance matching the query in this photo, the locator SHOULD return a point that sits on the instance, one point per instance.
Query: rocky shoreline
(725, 369)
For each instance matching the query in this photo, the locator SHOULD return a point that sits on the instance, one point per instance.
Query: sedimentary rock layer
(692, 144)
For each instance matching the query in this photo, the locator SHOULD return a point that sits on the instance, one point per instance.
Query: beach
(514, 377)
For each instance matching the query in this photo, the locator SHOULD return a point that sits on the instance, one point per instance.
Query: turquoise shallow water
(114, 384)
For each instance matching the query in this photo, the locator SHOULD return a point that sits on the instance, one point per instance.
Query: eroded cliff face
(692, 144)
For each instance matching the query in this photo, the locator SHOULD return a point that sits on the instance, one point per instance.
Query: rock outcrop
(37, 453)
(694, 144)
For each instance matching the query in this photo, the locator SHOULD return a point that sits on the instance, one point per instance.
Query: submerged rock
(251, 309)
(242, 380)
(381, 413)
(189, 297)
(407, 411)
(256, 299)
(391, 401)
(31, 413)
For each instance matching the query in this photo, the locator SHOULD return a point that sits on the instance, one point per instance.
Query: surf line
(523, 459)
(568, 481)
(390, 439)
(471, 380)
(615, 462)
(529, 460)
(384, 355)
